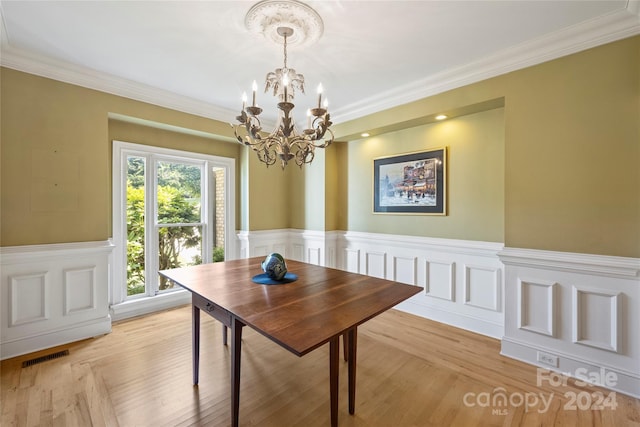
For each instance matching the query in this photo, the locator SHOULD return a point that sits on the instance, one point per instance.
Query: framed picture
(413, 183)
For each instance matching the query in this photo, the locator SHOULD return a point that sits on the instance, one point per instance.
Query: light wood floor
(411, 372)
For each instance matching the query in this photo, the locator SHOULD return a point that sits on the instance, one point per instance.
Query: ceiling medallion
(267, 16)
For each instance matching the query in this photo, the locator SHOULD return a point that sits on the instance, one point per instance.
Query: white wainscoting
(463, 280)
(53, 294)
(574, 313)
(313, 247)
(578, 314)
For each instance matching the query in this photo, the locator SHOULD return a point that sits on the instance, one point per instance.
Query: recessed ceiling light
(364, 135)
(441, 117)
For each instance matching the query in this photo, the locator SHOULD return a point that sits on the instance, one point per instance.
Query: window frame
(153, 155)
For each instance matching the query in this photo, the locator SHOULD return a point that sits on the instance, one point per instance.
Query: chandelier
(285, 143)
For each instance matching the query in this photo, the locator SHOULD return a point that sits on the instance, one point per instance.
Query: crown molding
(595, 32)
(66, 72)
(601, 30)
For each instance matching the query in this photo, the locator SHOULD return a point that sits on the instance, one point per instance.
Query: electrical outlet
(548, 359)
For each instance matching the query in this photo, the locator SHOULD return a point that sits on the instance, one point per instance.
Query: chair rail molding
(608, 266)
(574, 313)
(53, 294)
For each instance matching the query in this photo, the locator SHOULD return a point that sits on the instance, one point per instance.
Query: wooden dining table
(321, 306)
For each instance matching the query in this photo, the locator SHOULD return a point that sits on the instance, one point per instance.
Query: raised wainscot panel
(376, 265)
(314, 256)
(280, 248)
(244, 252)
(80, 290)
(298, 252)
(330, 254)
(482, 287)
(352, 260)
(537, 306)
(440, 279)
(262, 250)
(29, 298)
(596, 318)
(404, 269)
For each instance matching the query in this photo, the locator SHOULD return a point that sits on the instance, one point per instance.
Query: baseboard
(462, 321)
(614, 378)
(50, 339)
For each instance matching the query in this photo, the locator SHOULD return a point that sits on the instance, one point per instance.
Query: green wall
(56, 155)
(554, 166)
(268, 201)
(336, 184)
(475, 179)
(571, 153)
(573, 150)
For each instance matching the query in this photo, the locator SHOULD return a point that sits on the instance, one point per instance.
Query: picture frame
(412, 183)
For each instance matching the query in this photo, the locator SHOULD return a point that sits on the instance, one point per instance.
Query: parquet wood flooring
(411, 372)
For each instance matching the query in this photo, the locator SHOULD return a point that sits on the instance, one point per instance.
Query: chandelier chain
(285, 51)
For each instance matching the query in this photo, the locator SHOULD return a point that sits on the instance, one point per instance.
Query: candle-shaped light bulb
(285, 83)
(308, 118)
(319, 95)
(254, 87)
(325, 104)
(244, 100)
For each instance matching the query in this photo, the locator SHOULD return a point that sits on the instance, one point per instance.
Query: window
(170, 209)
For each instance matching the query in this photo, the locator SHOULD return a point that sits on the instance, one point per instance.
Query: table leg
(236, 343)
(334, 358)
(345, 345)
(353, 344)
(224, 334)
(195, 342)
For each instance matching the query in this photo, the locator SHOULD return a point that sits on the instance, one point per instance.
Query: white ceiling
(197, 56)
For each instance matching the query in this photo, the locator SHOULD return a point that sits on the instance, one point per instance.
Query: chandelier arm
(321, 125)
(252, 137)
(272, 148)
(266, 158)
(242, 139)
(265, 151)
(305, 155)
(324, 141)
(254, 127)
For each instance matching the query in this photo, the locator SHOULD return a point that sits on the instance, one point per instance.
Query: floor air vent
(41, 359)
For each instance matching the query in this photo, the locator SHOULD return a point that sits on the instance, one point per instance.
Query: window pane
(178, 247)
(219, 210)
(178, 193)
(135, 225)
